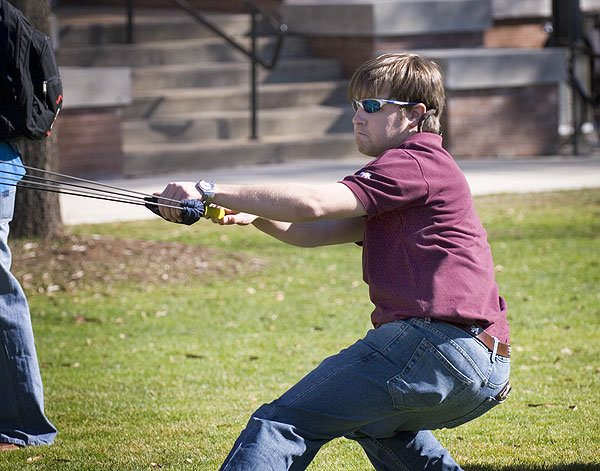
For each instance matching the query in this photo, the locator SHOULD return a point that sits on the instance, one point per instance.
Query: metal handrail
(280, 29)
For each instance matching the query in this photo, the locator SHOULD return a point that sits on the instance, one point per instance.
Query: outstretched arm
(297, 214)
(280, 202)
(291, 202)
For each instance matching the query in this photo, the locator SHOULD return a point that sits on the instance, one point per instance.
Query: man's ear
(416, 112)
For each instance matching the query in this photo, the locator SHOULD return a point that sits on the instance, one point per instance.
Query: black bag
(30, 85)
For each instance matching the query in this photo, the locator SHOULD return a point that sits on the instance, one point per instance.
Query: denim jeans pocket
(428, 380)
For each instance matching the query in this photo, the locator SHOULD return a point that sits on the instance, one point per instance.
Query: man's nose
(359, 116)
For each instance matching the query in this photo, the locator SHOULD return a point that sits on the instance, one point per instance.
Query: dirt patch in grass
(75, 263)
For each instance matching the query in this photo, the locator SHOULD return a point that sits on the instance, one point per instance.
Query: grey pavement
(485, 176)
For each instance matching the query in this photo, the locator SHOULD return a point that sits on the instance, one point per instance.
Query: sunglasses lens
(371, 106)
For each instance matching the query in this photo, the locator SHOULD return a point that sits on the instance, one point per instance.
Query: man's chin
(366, 152)
(363, 149)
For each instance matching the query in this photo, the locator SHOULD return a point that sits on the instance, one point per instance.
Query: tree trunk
(37, 213)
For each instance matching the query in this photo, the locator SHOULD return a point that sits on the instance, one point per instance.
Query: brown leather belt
(502, 349)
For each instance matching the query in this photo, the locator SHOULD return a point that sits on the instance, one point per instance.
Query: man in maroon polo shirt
(425, 251)
(438, 355)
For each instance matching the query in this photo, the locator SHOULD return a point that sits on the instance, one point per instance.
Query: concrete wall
(501, 102)
(352, 18)
(353, 31)
(89, 125)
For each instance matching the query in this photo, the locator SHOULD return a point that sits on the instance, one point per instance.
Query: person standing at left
(22, 418)
(30, 100)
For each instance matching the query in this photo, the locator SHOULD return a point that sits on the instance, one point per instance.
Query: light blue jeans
(22, 418)
(386, 392)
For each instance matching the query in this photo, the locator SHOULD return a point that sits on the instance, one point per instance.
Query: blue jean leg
(407, 451)
(385, 391)
(22, 418)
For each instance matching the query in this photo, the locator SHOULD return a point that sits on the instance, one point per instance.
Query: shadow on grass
(558, 467)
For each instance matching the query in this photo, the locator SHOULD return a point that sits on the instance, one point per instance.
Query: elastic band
(426, 115)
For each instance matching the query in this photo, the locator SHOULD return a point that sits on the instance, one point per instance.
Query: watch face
(208, 190)
(205, 186)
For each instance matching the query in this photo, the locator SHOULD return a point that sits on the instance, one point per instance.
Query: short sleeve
(393, 181)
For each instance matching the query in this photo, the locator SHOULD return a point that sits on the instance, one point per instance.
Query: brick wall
(511, 33)
(510, 122)
(89, 142)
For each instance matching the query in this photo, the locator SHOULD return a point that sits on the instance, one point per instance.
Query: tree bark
(37, 213)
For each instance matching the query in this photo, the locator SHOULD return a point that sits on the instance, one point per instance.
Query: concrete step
(176, 51)
(78, 26)
(214, 125)
(213, 74)
(168, 102)
(152, 159)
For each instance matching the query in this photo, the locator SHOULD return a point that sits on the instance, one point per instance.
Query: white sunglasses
(372, 105)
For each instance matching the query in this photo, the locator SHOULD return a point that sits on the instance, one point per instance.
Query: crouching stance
(438, 354)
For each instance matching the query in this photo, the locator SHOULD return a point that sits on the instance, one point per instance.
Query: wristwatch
(207, 189)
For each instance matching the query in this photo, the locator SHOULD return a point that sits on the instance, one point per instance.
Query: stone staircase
(191, 92)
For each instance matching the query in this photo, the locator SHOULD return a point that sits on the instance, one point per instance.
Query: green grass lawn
(150, 363)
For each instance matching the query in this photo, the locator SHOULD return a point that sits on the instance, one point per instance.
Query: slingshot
(192, 210)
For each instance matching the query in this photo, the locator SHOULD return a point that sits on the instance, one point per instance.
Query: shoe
(8, 447)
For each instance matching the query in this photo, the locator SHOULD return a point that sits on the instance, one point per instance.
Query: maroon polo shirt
(425, 251)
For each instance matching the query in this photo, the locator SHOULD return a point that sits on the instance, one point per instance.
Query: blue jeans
(385, 392)
(22, 418)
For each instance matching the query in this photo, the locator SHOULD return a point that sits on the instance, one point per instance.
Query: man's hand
(235, 217)
(178, 191)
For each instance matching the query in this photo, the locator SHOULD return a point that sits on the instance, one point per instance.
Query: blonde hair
(407, 77)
